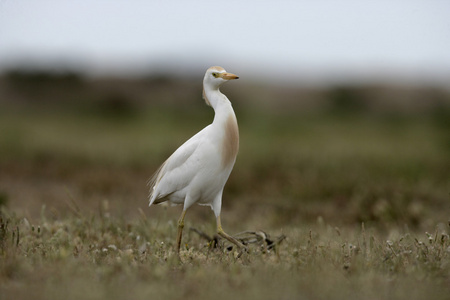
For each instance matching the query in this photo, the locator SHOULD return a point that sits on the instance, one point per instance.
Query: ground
(361, 196)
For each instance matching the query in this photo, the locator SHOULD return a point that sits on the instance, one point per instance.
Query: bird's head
(216, 76)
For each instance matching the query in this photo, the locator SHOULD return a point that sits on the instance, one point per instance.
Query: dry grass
(106, 257)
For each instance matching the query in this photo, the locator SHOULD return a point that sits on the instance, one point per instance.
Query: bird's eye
(215, 75)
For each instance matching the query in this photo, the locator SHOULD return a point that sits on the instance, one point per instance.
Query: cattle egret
(198, 170)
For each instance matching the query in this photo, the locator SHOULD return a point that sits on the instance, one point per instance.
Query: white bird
(198, 170)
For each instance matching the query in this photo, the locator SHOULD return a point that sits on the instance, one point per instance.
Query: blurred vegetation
(375, 154)
(76, 152)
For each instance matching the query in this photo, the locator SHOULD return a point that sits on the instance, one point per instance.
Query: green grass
(362, 198)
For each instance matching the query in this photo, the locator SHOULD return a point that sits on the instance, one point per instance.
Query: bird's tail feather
(153, 182)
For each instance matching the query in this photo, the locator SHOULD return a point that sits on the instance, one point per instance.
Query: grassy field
(362, 198)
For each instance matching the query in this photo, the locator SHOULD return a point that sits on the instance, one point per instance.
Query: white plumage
(198, 170)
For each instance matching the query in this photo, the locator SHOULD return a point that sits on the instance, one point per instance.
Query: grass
(105, 257)
(363, 200)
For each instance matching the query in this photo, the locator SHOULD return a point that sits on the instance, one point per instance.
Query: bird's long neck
(226, 124)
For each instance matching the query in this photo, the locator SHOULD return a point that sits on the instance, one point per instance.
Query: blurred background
(343, 107)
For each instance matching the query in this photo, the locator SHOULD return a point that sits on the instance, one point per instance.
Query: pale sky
(296, 41)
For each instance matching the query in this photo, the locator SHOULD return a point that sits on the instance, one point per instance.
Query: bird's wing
(171, 173)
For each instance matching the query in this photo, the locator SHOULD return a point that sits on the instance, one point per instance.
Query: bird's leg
(180, 231)
(230, 238)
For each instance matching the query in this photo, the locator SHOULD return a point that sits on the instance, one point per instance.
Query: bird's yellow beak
(228, 76)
